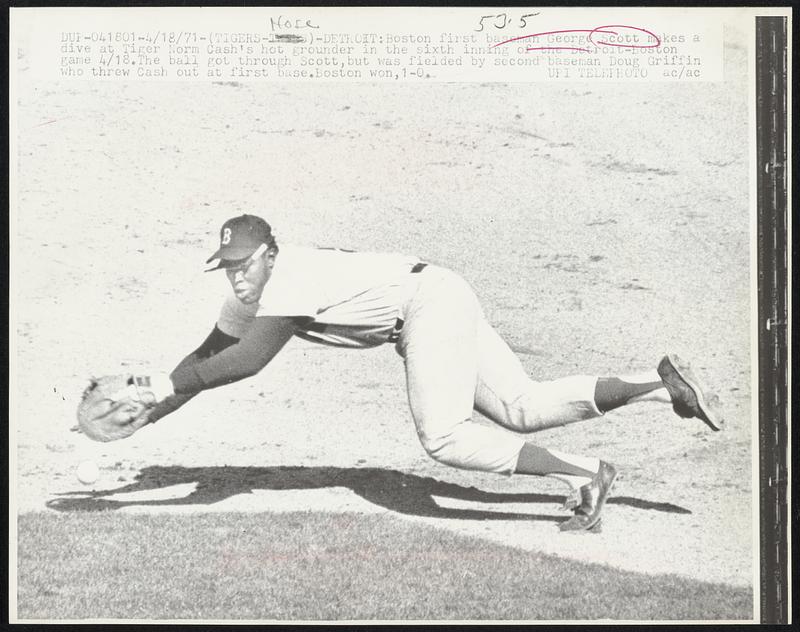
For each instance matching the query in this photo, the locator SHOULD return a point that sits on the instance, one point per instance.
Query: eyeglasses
(242, 265)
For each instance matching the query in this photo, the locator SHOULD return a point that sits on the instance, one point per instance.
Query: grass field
(313, 565)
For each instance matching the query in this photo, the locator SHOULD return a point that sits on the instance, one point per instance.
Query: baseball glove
(113, 407)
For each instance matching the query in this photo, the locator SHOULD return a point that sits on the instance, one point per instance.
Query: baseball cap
(239, 238)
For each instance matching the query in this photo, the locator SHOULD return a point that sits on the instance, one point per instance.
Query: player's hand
(149, 389)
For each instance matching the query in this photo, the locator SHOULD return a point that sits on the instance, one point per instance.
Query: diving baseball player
(455, 362)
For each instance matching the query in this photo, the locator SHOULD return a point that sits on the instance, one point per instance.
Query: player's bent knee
(443, 448)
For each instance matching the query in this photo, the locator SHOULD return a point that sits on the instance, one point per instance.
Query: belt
(394, 336)
(398, 325)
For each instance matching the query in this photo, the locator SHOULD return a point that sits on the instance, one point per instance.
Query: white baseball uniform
(455, 361)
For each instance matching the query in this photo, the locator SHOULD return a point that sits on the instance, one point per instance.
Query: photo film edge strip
(771, 133)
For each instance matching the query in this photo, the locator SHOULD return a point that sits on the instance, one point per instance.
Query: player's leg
(439, 345)
(509, 397)
(505, 394)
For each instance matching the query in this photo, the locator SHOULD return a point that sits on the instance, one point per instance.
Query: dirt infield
(595, 240)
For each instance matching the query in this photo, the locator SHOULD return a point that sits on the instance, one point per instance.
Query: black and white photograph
(399, 314)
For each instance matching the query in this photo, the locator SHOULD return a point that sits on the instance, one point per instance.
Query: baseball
(87, 472)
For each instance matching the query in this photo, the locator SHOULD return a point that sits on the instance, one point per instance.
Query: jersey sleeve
(291, 295)
(235, 317)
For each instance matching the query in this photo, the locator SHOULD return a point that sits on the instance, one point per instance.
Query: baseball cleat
(593, 497)
(688, 396)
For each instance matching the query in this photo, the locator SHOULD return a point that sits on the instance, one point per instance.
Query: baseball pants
(456, 362)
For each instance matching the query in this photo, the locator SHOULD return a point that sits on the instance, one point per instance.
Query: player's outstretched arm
(264, 338)
(215, 342)
(113, 407)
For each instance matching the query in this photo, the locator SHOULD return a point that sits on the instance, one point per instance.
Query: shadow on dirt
(390, 489)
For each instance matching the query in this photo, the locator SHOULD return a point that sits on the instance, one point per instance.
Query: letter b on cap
(226, 236)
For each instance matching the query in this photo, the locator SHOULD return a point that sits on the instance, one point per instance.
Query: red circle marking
(622, 26)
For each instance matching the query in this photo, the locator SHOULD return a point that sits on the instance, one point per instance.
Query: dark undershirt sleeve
(265, 337)
(216, 341)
